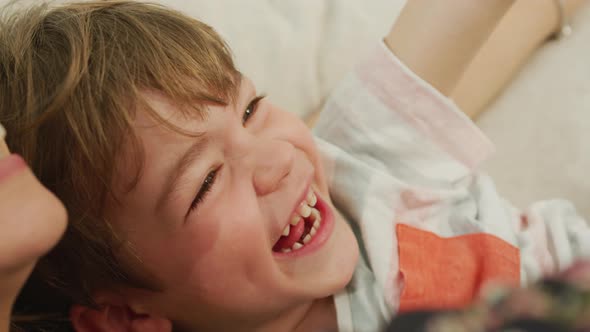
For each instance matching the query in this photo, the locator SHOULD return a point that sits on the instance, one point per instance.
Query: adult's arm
(527, 25)
(438, 39)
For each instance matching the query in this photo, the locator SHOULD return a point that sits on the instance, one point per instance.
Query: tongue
(286, 242)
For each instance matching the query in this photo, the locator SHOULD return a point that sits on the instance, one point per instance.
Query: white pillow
(296, 50)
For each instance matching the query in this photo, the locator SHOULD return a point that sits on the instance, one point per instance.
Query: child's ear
(115, 318)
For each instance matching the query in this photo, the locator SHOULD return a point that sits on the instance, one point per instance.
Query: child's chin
(347, 251)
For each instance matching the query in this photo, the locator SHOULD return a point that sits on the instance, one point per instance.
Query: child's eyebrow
(181, 166)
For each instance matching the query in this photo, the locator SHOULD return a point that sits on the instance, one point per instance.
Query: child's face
(216, 260)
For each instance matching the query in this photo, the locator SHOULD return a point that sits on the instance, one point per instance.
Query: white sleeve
(386, 132)
(391, 119)
(553, 237)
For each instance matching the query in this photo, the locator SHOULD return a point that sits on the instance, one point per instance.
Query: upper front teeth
(315, 215)
(311, 198)
(316, 224)
(304, 210)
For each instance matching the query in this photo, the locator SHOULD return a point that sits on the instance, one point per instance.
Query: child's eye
(204, 190)
(251, 109)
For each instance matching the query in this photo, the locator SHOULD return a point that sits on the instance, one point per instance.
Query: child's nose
(274, 161)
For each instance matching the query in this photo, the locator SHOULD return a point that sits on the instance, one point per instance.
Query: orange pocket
(447, 273)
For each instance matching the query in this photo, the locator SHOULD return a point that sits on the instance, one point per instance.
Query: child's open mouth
(304, 225)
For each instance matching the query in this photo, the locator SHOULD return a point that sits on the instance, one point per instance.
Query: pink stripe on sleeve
(424, 107)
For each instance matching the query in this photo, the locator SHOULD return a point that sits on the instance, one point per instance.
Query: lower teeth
(306, 237)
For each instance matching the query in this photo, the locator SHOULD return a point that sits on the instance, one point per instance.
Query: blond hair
(71, 79)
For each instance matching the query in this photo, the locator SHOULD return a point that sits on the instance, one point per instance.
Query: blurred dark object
(40, 308)
(556, 304)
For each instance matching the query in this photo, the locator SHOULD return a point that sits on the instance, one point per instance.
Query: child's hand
(438, 39)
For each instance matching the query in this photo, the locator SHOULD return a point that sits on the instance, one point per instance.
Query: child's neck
(320, 316)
